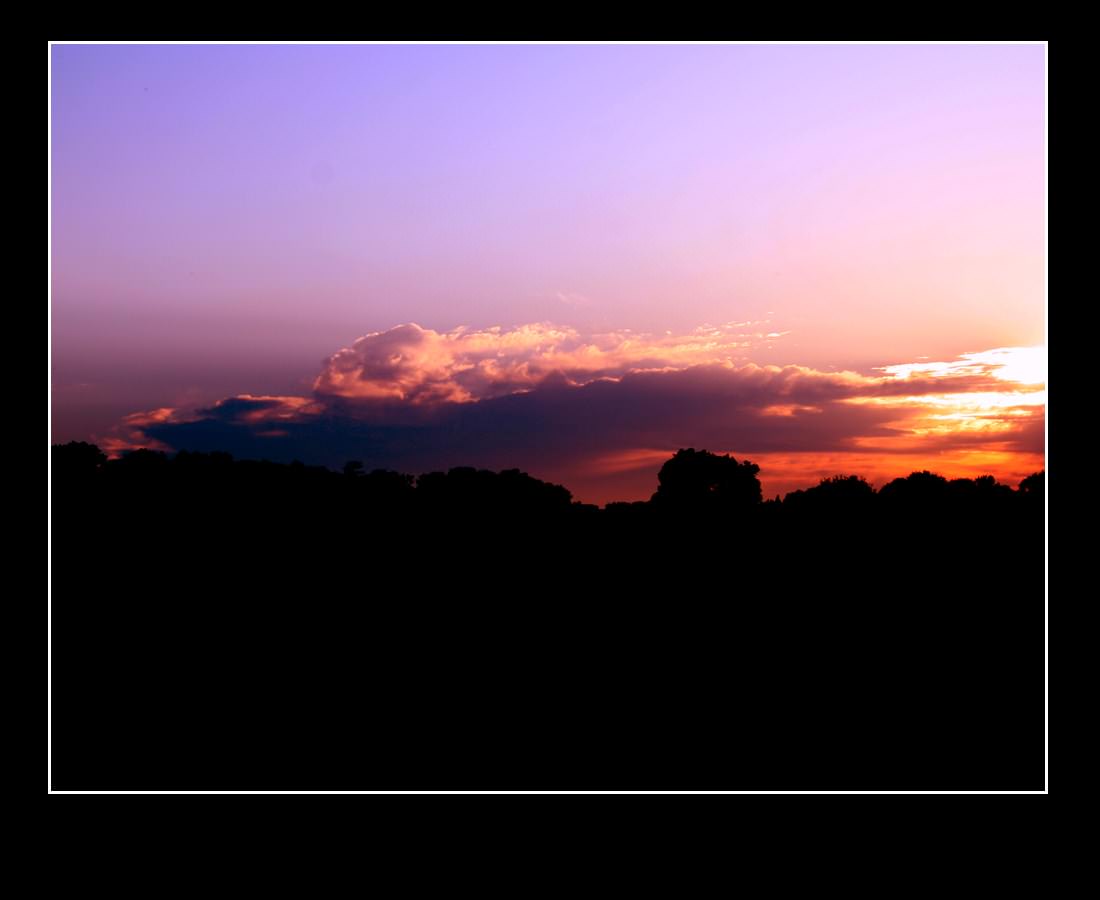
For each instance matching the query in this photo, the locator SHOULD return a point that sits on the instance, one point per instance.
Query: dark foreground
(230, 625)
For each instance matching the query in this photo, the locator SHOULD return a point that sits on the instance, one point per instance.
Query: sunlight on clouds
(422, 366)
(269, 408)
(788, 410)
(1020, 365)
(1021, 371)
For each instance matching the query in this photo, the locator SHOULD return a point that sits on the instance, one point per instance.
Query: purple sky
(224, 218)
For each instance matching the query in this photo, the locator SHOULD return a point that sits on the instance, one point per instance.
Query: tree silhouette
(917, 489)
(1034, 484)
(76, 459)
(840, 495)
(705, 481)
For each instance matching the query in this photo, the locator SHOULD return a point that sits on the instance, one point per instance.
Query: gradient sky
(227, 219)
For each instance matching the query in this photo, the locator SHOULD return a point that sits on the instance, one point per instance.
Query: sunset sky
(569, 259)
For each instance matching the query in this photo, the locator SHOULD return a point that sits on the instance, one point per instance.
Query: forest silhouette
(238, 624)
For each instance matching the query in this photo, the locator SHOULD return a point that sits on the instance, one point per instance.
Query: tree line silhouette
(222, 623)
(697, 481)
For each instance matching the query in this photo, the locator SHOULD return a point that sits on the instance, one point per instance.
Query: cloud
(591, 410)
(250, 409)
(418, 365)
(1023, 366)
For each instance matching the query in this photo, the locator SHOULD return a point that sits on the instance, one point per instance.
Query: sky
(574, 260)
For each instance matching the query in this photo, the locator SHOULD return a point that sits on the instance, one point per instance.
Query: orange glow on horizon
(783, 473)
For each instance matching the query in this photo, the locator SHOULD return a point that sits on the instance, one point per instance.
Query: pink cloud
(418, 365)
